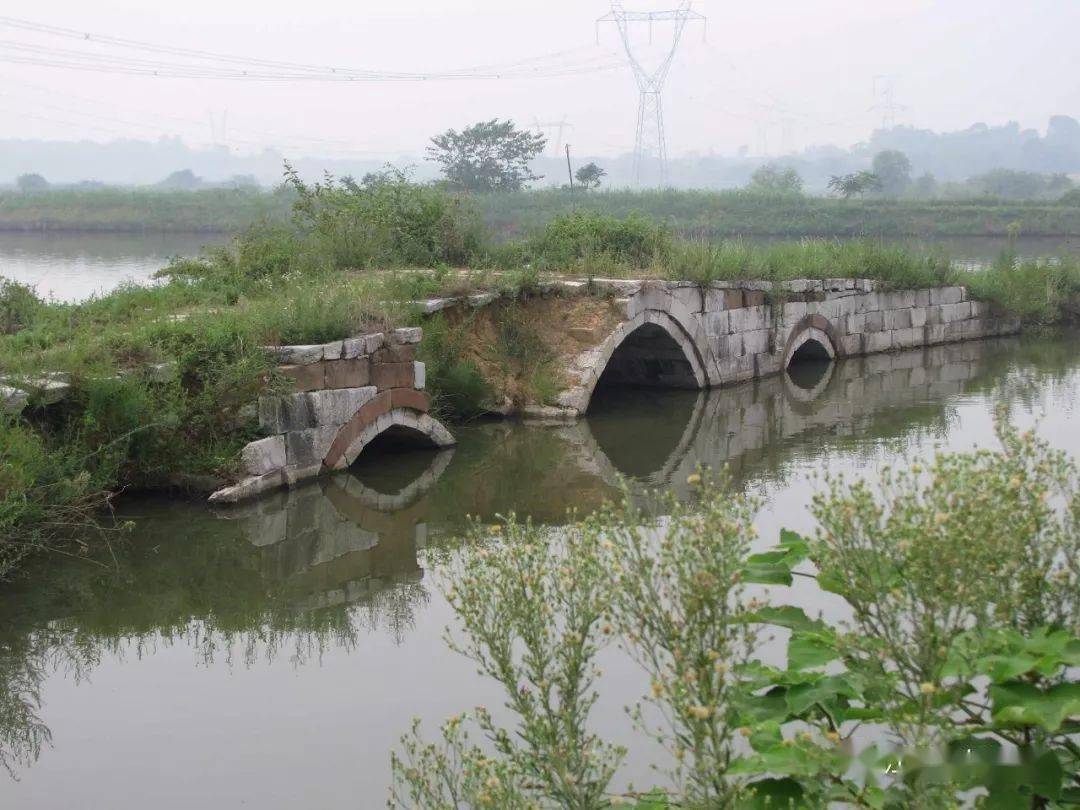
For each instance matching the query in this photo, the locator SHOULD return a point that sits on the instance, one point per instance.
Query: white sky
(958, 61)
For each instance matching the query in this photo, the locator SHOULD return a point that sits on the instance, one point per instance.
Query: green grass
(694, 214)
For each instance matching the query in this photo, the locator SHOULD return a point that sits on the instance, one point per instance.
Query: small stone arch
(599, 358)
(355, 436)
(813, 330)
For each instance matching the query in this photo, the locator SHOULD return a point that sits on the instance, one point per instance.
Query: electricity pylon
(557, 126)
(650, 137)
(885, 92)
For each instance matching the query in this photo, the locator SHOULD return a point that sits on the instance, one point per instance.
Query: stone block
(308, 377)
(935, 333)
(766, 364)
(959, 311)
(282, 414)
(299, 355)
(332, 351)
(855, 323)
(755, 318)
(918, 317)
(794, 311)
(392, 375)
(353, 348)
(898, 319)
(410, 398)
(980, 309)
(907, 338)
(946, 295)
(395, 353)
(263, 456)
(419, 375)
(880, 341)
(307, 448)
(715, 323)
(755, 342)
(407, 334)
(12, 400)
(875, 321)
(336, 407)
(354, 373)
(922, 298)
(655, 296)
(851, 345)
(249, 488)
(871, 301)
(733, 299)
(754, 298)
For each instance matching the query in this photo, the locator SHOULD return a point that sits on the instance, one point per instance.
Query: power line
(650, 136)
(202, 64)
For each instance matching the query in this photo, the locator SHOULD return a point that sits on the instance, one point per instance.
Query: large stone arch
(353, 437)
(812, 328)
(595, 362)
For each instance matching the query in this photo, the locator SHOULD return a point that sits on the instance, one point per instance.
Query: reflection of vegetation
(963, 647)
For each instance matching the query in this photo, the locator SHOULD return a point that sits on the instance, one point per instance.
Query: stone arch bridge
(348, 395)
(684, 335)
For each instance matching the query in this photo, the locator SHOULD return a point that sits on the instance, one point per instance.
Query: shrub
(960, 659)
(18, 306)
(569, 238)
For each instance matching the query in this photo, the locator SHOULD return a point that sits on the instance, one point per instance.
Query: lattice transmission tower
(650, 137)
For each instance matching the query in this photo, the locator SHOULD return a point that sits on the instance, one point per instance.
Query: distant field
(703, 214)
(123, 210)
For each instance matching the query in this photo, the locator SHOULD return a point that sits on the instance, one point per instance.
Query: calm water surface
(270, 655)
(72, 267)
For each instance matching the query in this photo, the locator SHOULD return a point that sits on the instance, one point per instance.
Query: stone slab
(385, 376)
(406, 334)
(263, 456)
(353, 373)
(307, 377)
(285, 413)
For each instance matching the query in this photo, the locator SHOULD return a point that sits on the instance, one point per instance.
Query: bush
(1037, 290)
(569, 238)
(18, 306)
(960, 659)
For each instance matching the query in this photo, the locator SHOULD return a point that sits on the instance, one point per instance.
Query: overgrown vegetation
(957, 651)
(164, 376)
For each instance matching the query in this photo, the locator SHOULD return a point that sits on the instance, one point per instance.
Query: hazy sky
(772, 73)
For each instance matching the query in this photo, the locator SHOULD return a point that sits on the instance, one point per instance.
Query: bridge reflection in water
(347, 539)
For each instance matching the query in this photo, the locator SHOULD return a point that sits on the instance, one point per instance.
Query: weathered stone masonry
(686, 335)
(345, 394)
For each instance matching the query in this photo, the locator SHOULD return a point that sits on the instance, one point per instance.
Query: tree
(489, 156)
(848, 185)
(894, 171)
(925, 186)
(770, 179)
(184, 179)
(31, 182)
(589, 175)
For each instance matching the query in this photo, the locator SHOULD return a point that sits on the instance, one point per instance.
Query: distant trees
(31, 182)
(489, 156)
(589, 176)
(185, 180)
(893, 170)
(1016, 185)
(848, 185)
(925, 186)
(1071, 197)
(770, 179)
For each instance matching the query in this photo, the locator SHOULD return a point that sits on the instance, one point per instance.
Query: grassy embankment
(327, 274)
(701, 214)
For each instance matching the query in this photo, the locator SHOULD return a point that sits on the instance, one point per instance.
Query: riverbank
(693, 214)
(162, 380)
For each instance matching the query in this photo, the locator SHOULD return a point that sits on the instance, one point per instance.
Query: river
(271, 654)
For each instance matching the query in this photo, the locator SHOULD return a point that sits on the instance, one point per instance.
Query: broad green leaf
(788, 616)
(1023, 704)
(808, 650)
(762, 572)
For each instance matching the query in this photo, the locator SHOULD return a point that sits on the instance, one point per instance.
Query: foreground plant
(532, 611)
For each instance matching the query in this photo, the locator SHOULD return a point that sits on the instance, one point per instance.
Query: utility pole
(569, 171)
(650, 136)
